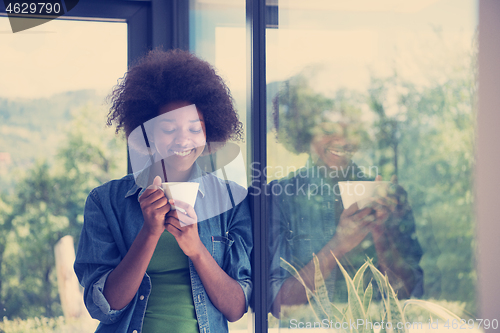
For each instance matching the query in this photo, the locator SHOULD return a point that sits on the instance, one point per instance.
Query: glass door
(371, 110)
(54, 148)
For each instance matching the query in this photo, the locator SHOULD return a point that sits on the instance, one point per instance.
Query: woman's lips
(182, 153)
(335, 152)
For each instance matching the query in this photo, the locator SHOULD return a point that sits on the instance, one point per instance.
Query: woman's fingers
(388, 203)
(174, 218)
(185, 230)
(151, 188)
(183, 216)
(179, 219)
(365, 215)
(147, 193)
(155, 199)
(157, 181)
(351, 210)
(151, 194)
(174, 230)
(188, 209)
(160, 203)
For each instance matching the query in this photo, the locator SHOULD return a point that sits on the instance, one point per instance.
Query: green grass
(48, 325)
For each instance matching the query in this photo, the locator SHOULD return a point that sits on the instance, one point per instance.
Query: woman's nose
(182, 138)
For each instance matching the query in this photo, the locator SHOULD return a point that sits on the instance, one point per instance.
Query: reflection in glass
(371, 96)
(307, 208)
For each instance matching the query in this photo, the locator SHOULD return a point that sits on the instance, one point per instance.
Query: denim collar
(196, 176)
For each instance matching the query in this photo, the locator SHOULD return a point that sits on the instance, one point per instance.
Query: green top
(170, 305)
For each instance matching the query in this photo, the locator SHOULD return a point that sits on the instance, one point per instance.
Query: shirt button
(141, 298)
(134, 331)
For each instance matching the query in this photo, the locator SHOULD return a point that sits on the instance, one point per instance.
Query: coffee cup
(361, 192)
(181, 191)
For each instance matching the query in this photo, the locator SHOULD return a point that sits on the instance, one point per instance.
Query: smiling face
(179, 138)
(334, 150)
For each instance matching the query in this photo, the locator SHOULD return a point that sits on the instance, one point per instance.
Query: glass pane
(371, 126)
(217, 35)
(54, 148)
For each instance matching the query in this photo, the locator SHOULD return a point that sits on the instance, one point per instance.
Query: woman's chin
(336, 163)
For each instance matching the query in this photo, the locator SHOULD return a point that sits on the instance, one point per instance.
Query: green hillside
(32, 129)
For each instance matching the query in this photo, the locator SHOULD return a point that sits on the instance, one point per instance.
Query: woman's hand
(352, 228)
(183, 224)
(154, 206)
(124, 281)
(391, 206)
(224, 292)
(389, 202)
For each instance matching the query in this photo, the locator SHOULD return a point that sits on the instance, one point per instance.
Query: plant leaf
(320, 287)
(337, 313)
(395, 312)
(358, 281)
(380, 279)
(367, 297)
(433, 308)
(355, 305)
(311, 297)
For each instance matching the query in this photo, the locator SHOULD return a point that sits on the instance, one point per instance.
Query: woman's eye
(168, 131)
(196, 131)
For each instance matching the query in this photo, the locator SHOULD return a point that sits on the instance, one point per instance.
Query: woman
(307, 215)
(136, 276)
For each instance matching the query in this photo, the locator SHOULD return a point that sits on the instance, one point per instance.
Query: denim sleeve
(240, 232)
(101, 301)
(96, 257)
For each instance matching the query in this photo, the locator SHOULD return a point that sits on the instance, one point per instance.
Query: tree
(426, 136)
(47, 204)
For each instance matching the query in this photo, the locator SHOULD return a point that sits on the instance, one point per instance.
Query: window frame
(256, 69)
(487, 179)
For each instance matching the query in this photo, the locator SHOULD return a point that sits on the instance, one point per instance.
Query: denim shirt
(112, 220)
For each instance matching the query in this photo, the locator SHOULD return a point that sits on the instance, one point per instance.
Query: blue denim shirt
(112, 220)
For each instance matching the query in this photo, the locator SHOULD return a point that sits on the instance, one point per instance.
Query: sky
(345, 45)
(61, 55)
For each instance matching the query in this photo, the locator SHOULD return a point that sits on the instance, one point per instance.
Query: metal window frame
(152, 24)
(256, 72)
(487, 178)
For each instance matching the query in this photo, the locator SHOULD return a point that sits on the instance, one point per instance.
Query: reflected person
(307, 214)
